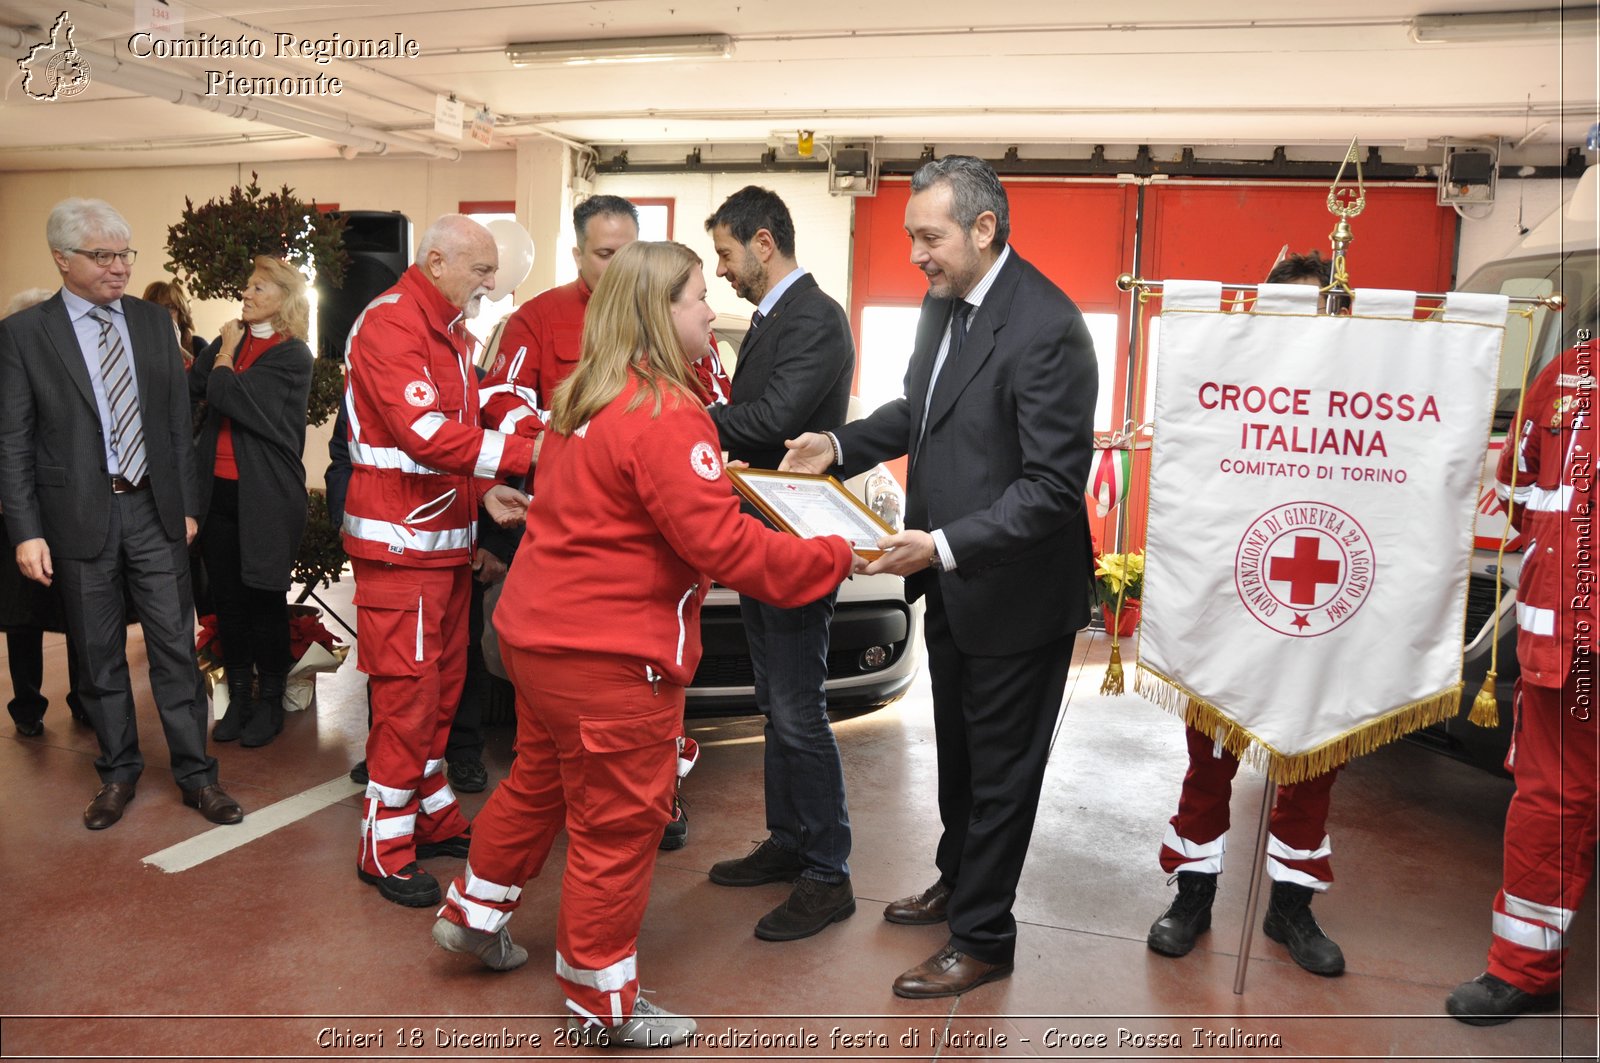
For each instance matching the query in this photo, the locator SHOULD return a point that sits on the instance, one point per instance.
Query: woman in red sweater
(599, 629)
(250, 387)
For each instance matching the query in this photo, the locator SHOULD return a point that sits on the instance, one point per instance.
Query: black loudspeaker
(379, 245)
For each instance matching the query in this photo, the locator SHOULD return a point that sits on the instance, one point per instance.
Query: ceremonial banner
(1312, 493)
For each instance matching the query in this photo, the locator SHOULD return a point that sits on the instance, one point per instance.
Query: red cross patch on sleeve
(420, 393)
(704, 461)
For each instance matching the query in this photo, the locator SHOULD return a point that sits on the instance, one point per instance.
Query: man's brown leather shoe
(214, 804)
(107, 806)
(930, 906)
(948, 973)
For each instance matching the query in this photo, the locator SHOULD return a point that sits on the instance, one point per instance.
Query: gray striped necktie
(116, 375)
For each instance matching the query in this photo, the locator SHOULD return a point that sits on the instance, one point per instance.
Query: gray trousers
(139, 561)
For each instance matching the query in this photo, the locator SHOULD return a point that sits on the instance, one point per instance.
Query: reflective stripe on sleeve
(388, 458)
(433, 767)
(429, 424)
(509, 422)
(490, 451)
(1549, 500)
(1536, 621)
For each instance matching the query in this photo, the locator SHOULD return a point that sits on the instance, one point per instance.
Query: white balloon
(516, 254)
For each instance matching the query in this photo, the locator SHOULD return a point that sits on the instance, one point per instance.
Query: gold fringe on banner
(1286, 768)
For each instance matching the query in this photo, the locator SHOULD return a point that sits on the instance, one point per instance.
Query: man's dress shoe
(107, 806)
(214, 804)
(947, 973)
(930, 906)
(30, 728)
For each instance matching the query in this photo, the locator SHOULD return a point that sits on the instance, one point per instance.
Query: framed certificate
(807, 505)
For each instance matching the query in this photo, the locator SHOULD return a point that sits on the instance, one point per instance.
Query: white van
(1560, 254)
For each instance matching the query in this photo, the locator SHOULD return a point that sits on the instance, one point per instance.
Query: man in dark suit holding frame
(98, 487)
(794, 372)
(998, 420)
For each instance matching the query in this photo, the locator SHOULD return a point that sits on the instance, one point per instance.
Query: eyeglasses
(105, 258)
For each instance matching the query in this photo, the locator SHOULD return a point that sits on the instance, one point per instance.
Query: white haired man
(98, 487)
(420, 465)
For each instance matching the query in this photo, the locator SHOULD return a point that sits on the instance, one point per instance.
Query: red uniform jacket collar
(440, 312)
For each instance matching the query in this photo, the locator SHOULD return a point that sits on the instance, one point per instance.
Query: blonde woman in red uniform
(599, 627)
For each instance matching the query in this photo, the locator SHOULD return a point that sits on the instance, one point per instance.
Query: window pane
(1103, 331)
(653, 221)
(887, 336)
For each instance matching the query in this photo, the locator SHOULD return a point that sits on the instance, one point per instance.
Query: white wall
(822, 223)
(1490, 232)
(152, 199)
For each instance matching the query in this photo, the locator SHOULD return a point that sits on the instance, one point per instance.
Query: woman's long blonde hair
(628, 329)
(293, 318)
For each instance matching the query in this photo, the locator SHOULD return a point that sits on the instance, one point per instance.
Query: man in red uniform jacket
(418, 457)
(540, 344)
(1550, 826)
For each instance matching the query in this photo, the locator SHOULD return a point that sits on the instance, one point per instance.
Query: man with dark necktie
(997, 418)
(793, 375)
(98, 487)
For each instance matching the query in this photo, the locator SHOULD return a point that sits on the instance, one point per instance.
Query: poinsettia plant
(306, 630)
(208, 644)
(1120, 575)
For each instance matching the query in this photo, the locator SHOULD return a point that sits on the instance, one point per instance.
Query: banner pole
(1257, 866)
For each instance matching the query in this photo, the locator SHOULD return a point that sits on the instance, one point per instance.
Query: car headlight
(886, 498)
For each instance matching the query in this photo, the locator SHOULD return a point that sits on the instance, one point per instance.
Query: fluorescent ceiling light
(1496, 26)
(622, 49)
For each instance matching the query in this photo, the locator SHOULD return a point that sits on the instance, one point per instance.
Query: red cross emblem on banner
(1304, 568)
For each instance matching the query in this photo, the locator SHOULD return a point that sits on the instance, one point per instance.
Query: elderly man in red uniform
(1550, 826)
(419, 459)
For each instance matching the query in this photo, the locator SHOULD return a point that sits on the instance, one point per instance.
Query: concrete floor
(274, 949)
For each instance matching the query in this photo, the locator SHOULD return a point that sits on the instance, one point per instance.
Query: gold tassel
(1485, 710)
(1112, 684)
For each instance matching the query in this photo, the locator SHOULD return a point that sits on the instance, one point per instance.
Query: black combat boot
(1187, 917)
(1289, 922)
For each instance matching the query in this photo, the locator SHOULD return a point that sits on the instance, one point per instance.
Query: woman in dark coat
(254, 381)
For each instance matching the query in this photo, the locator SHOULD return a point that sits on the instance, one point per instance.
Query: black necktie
(958, 331)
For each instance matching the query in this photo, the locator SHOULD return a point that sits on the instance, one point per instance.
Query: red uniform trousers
(1550, 833)
(413, 648)
(1197, 837)
(597, 752)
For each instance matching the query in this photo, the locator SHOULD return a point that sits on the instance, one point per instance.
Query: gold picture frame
(810, 505)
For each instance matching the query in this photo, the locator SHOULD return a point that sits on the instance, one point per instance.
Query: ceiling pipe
(113, 71)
